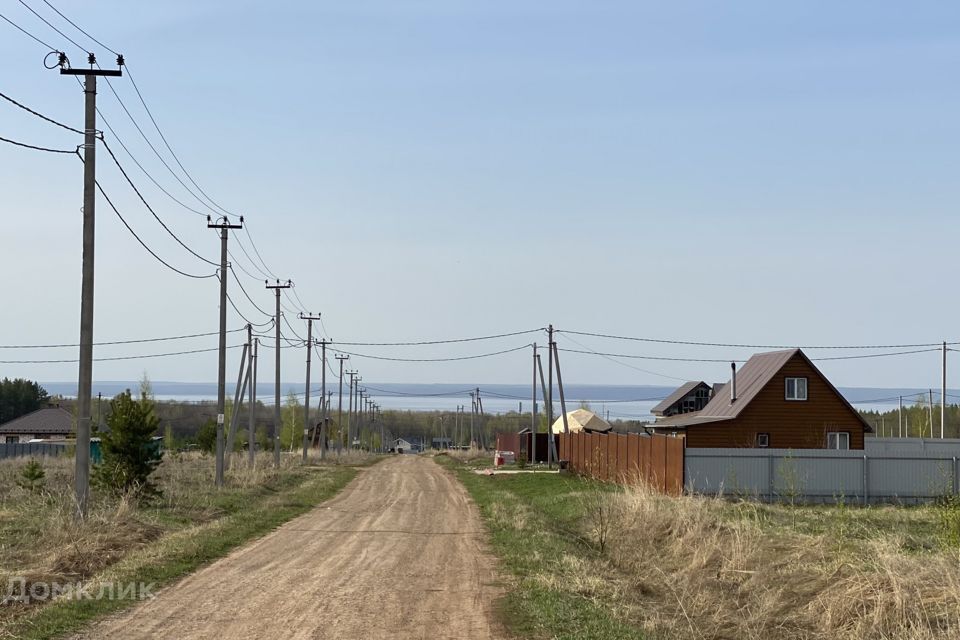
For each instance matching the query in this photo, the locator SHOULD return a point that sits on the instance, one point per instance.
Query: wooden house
(777, 399)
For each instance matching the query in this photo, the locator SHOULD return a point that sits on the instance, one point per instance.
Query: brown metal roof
(51, 420)
(676, 396)
(751, 378)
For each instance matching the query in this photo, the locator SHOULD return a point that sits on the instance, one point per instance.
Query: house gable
(799, 424)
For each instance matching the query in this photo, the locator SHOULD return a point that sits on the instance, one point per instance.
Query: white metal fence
(888, 470)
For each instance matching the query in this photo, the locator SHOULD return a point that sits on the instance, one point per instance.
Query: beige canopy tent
(582, 420)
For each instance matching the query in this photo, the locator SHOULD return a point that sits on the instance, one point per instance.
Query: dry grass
(706, 568)
(473, 454)
(41, 540)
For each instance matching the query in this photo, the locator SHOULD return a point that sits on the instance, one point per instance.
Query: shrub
(32, 476)
(130, 454)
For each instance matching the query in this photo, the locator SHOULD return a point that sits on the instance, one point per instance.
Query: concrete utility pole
(930, 411)
(533, 415)
(81, 478)
(251, 427)
(563, 402)
(943, 393)
(900, 413)
(341, 358)
(306, 399)
(323, 400)
(549, 395)
(349, 441)
(276, 391)
(224, 225)
(243, 379)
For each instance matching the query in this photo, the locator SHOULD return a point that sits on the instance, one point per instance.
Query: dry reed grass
(699, 567)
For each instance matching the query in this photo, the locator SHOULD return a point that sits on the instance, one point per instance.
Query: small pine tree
(32, 476)
(207, 436)
(130, 454)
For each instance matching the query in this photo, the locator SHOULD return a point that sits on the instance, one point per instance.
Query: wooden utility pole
(306, 399)
(81, 478)
(276, 391)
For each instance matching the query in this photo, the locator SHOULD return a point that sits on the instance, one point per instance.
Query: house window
(763, 440)
(838, 440)
(796, 389)
(13, 439)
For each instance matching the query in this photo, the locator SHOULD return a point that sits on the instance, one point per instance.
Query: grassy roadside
(534, 523)
(192, 525)
(598, 561)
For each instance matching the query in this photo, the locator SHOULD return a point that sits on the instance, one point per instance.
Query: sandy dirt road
(398, 554)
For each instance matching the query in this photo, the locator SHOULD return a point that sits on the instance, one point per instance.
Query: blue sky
(736, 172)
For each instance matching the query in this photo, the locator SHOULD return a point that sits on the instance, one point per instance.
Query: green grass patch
(536, 528)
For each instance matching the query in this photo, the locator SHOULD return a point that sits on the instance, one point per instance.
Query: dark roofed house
(777, 399)
(51, 423)
(692, 396)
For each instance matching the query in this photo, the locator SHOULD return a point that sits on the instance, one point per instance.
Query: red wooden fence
(626, 458)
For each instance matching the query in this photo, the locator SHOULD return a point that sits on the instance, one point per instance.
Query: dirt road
(398, 554)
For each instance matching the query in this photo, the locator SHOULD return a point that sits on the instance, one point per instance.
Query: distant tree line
(19, 397)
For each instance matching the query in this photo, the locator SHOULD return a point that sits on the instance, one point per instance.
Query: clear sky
(757, 172)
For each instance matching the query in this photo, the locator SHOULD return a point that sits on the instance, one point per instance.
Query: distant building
(777, 399)
(50, 423)
(402, 445)
(582, 420)
(441, 443)
(692, 396)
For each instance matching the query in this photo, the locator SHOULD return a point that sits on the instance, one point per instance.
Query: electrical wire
(27, 33)
(49, 24)
(253, 244)
(38, 114)
(429, 342)
(474, 357)
(144, 244)
(749, 346)
(636, 357)
(115, 358)
(625, 364)
(115, 342)
(77, 27)
(252, 261)
(154, 149)
(247, 295)
(245, 319)
(420, 395)
(150, 209)
(36, 148)
(143, 169)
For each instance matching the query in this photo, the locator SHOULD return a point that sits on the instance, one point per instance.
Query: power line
(474, 357)
(153, 148)
(749, 346)
(77, 27)
(36, 148)
(149, 208)
(27, 33)
(38, 114)
(247, 295)
(245, 319)
(429, 342)
(144, 244)
(253, 244)
(143, 169)
(626, 364)
(419, 395)
(115, 342)
(49, 24)
(114, 358)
